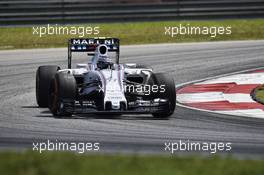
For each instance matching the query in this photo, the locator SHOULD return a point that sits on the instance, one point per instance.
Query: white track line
(214, 96)
(248, 78)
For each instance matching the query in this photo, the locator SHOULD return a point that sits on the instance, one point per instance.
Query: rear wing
(89, 45)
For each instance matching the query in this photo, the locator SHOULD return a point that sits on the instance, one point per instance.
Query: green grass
(134, 33)
(54, 163)
(260, 94)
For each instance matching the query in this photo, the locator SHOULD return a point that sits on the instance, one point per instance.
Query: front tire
(169, 94)
(44, 76)
(62, 91)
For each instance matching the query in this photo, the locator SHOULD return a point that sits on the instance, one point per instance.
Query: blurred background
(23, 12)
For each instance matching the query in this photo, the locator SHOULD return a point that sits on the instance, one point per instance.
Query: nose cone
(116, 104)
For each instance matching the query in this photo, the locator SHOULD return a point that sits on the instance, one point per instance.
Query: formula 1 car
(103, 86)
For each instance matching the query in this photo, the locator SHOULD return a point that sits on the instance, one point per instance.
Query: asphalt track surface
(22, 122)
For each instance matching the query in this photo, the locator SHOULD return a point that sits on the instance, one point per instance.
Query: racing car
(103, 85)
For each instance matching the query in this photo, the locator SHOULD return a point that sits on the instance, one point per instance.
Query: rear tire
(44, 76)
(169, 94)
(63, 89)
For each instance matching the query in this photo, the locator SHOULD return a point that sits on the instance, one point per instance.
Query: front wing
(147, 107)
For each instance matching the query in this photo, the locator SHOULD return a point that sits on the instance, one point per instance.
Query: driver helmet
(104, 62)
